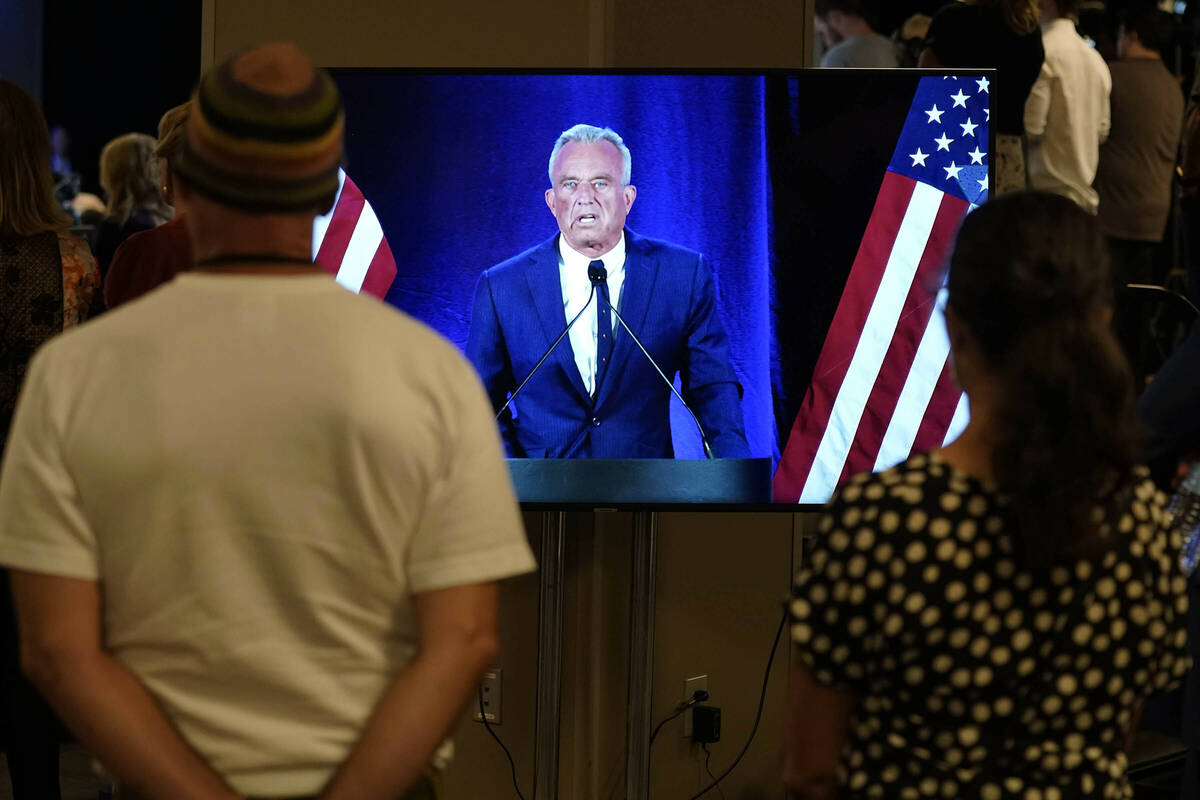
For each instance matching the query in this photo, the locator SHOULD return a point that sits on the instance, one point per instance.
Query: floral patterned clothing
(81, 278)
(47, 282)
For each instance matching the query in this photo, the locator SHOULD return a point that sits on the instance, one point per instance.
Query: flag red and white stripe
(882, 387)
(348, 242)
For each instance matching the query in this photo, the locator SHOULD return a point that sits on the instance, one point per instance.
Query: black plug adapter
(706, 724)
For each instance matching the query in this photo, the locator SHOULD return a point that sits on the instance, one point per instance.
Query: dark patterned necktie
(604, 329)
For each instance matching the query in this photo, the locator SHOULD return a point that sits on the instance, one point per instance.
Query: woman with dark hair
(985, 620)
(1003, 35)
(49, 280)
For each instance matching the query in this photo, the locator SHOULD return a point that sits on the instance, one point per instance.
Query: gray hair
(587, 134)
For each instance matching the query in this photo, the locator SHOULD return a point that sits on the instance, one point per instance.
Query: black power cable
(762, 699)
(708, 769)
(511, 764)
(697, 697)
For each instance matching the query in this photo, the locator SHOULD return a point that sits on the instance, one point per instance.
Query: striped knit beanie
(265, 133)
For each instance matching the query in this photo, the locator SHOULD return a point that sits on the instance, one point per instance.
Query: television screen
(778, 250)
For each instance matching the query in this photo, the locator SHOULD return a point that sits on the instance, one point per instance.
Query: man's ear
(630, 193)
(550, 202)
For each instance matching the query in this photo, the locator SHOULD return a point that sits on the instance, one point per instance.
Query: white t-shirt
(260, 472)
(1067, 116)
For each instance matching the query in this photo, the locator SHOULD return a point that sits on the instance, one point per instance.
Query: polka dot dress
(975, 676)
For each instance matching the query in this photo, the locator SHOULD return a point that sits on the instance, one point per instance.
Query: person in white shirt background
(1067, 114)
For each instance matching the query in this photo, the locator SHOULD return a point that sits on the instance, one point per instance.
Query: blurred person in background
(66, 180)
(1189, 194)
(1135, 175)
(985, 620)
(129, 175)
(910, 39)
(50, 278)
(60, 151)
(1001, 35)
(1137, 162)
(1067, 113)
(151, 258)
(848, 37)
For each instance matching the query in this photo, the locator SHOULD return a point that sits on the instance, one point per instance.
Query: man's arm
(707, 377)
(458, 642)
(102, 703)
(1105, 126)
(1037, 107)
(818, 718)
(487, 352)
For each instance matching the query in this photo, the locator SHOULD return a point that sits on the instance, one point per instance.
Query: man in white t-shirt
(1067, 113)
(254, 521)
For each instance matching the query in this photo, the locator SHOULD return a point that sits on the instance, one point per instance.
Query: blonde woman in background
(130, 177)
(50, 278)
(1001, 35)
(149, 259)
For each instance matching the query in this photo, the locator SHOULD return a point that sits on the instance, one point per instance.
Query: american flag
(882, 387)
(349, 243)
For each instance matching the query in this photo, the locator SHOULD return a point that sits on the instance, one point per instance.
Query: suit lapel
(633, 305)
(546, 289)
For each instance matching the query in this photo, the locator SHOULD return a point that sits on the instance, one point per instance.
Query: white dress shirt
(576, 288)
(1067, 116)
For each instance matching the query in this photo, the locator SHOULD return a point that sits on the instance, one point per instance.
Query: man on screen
(597, 395)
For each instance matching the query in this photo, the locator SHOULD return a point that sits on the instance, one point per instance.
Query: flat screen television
(824, 204)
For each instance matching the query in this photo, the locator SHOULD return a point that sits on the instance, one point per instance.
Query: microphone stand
(599, 278)
(546, 355)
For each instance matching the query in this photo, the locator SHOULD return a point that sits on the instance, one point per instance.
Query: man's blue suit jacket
(668, 299)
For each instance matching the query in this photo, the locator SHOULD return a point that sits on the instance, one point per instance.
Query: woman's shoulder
(1136, 504)
(75, 252)
(921, 477)
(81, 278)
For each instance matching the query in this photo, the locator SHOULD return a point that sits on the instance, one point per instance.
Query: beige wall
(519, 33)
(720, 583)
(722, 579)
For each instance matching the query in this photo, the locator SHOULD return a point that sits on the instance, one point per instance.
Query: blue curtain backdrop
(455, 167)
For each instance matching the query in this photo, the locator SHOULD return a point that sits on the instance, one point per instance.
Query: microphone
(599, 278)
(546, 355)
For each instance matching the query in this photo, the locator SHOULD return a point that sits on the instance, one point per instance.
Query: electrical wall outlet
(491, 697)
(690, 687)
